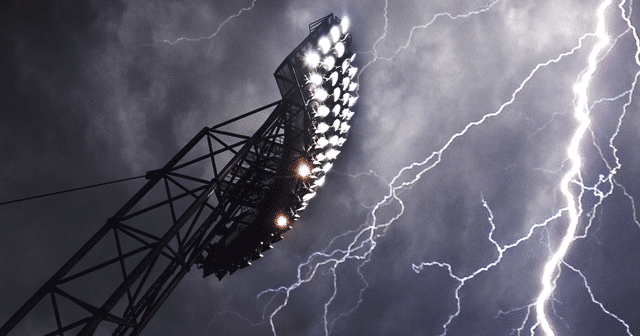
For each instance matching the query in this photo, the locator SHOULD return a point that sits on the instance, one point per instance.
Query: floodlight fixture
(334, 77)
(353, 86)
(336, 94)
(336, 109)
(334, 140)
(329, 62)
(324, 44)
(322, 111)
(282, 221)
(344, 24)
(320, 95)
(339, 47)
(322, 127)
(334, 33)
(352, 72)
(327, 166)
(315, 79)
(304, 170)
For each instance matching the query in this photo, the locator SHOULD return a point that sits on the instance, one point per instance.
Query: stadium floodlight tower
(219, 203)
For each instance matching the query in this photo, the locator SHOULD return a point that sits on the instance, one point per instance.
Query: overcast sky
(97, 91)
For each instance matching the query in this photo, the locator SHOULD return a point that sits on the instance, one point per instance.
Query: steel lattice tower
(220, 202)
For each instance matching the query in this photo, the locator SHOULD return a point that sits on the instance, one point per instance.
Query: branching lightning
(197, 39)
(364, 239)
(581, 114)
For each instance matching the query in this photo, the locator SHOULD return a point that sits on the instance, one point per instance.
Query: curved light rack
(293, 150)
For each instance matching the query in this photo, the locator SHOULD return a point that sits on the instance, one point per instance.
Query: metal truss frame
(169, 225)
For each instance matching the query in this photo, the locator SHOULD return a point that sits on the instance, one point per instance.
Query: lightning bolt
(362, 241)
(189, 39)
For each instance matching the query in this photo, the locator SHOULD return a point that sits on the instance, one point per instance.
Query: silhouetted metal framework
(215, 204)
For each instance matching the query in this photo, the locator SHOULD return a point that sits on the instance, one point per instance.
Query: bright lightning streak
(189, 39)
(364, 242)
(581, 113)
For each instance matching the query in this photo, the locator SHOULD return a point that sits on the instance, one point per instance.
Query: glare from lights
(332, 154)
(304, 170)
(327, 166)
(336, 124)
(334, 78)
(321, 157)
(344, 25)
(336, 93)
(282, 221)
(312, 59)
(352, 58)
(319, 182)
(353, 86)
(309, 196)
(336, 109)
(341, 141)
(346, 97)
(322, 142)
(345, 66)
(315, 79)
(352, 72)
(329, 62)
(339, 49)
(352, 101)
(322, 111)
(345, 114)
(345, 83)
(320, 94)
(322, 127)
(324, 44)
(344, 127)
(334, 140)
(335, 34)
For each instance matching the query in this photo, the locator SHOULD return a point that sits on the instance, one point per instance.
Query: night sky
(478, 95)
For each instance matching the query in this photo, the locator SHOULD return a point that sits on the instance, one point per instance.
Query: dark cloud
(93, 91)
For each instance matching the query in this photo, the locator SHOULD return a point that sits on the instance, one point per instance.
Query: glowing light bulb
(322, 127)
(322, 142)
(332, 154)
(282, 221)
(339, 49)
(353, 86)
(321, 157)
(334, 140)
(315, 79)
(312, 59)
(304, 170)
(345, 66)
(334, 78)
(322, 111)
(352, 72)
(308, 196)
(344, 25)
(336, 124)
(329, 62)
(324, 44)
(320, 94)
(319, 182)
(335, 34)
(344, 127)
(336, 109)
(345, 83)
(336, 93)
(346, 97)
